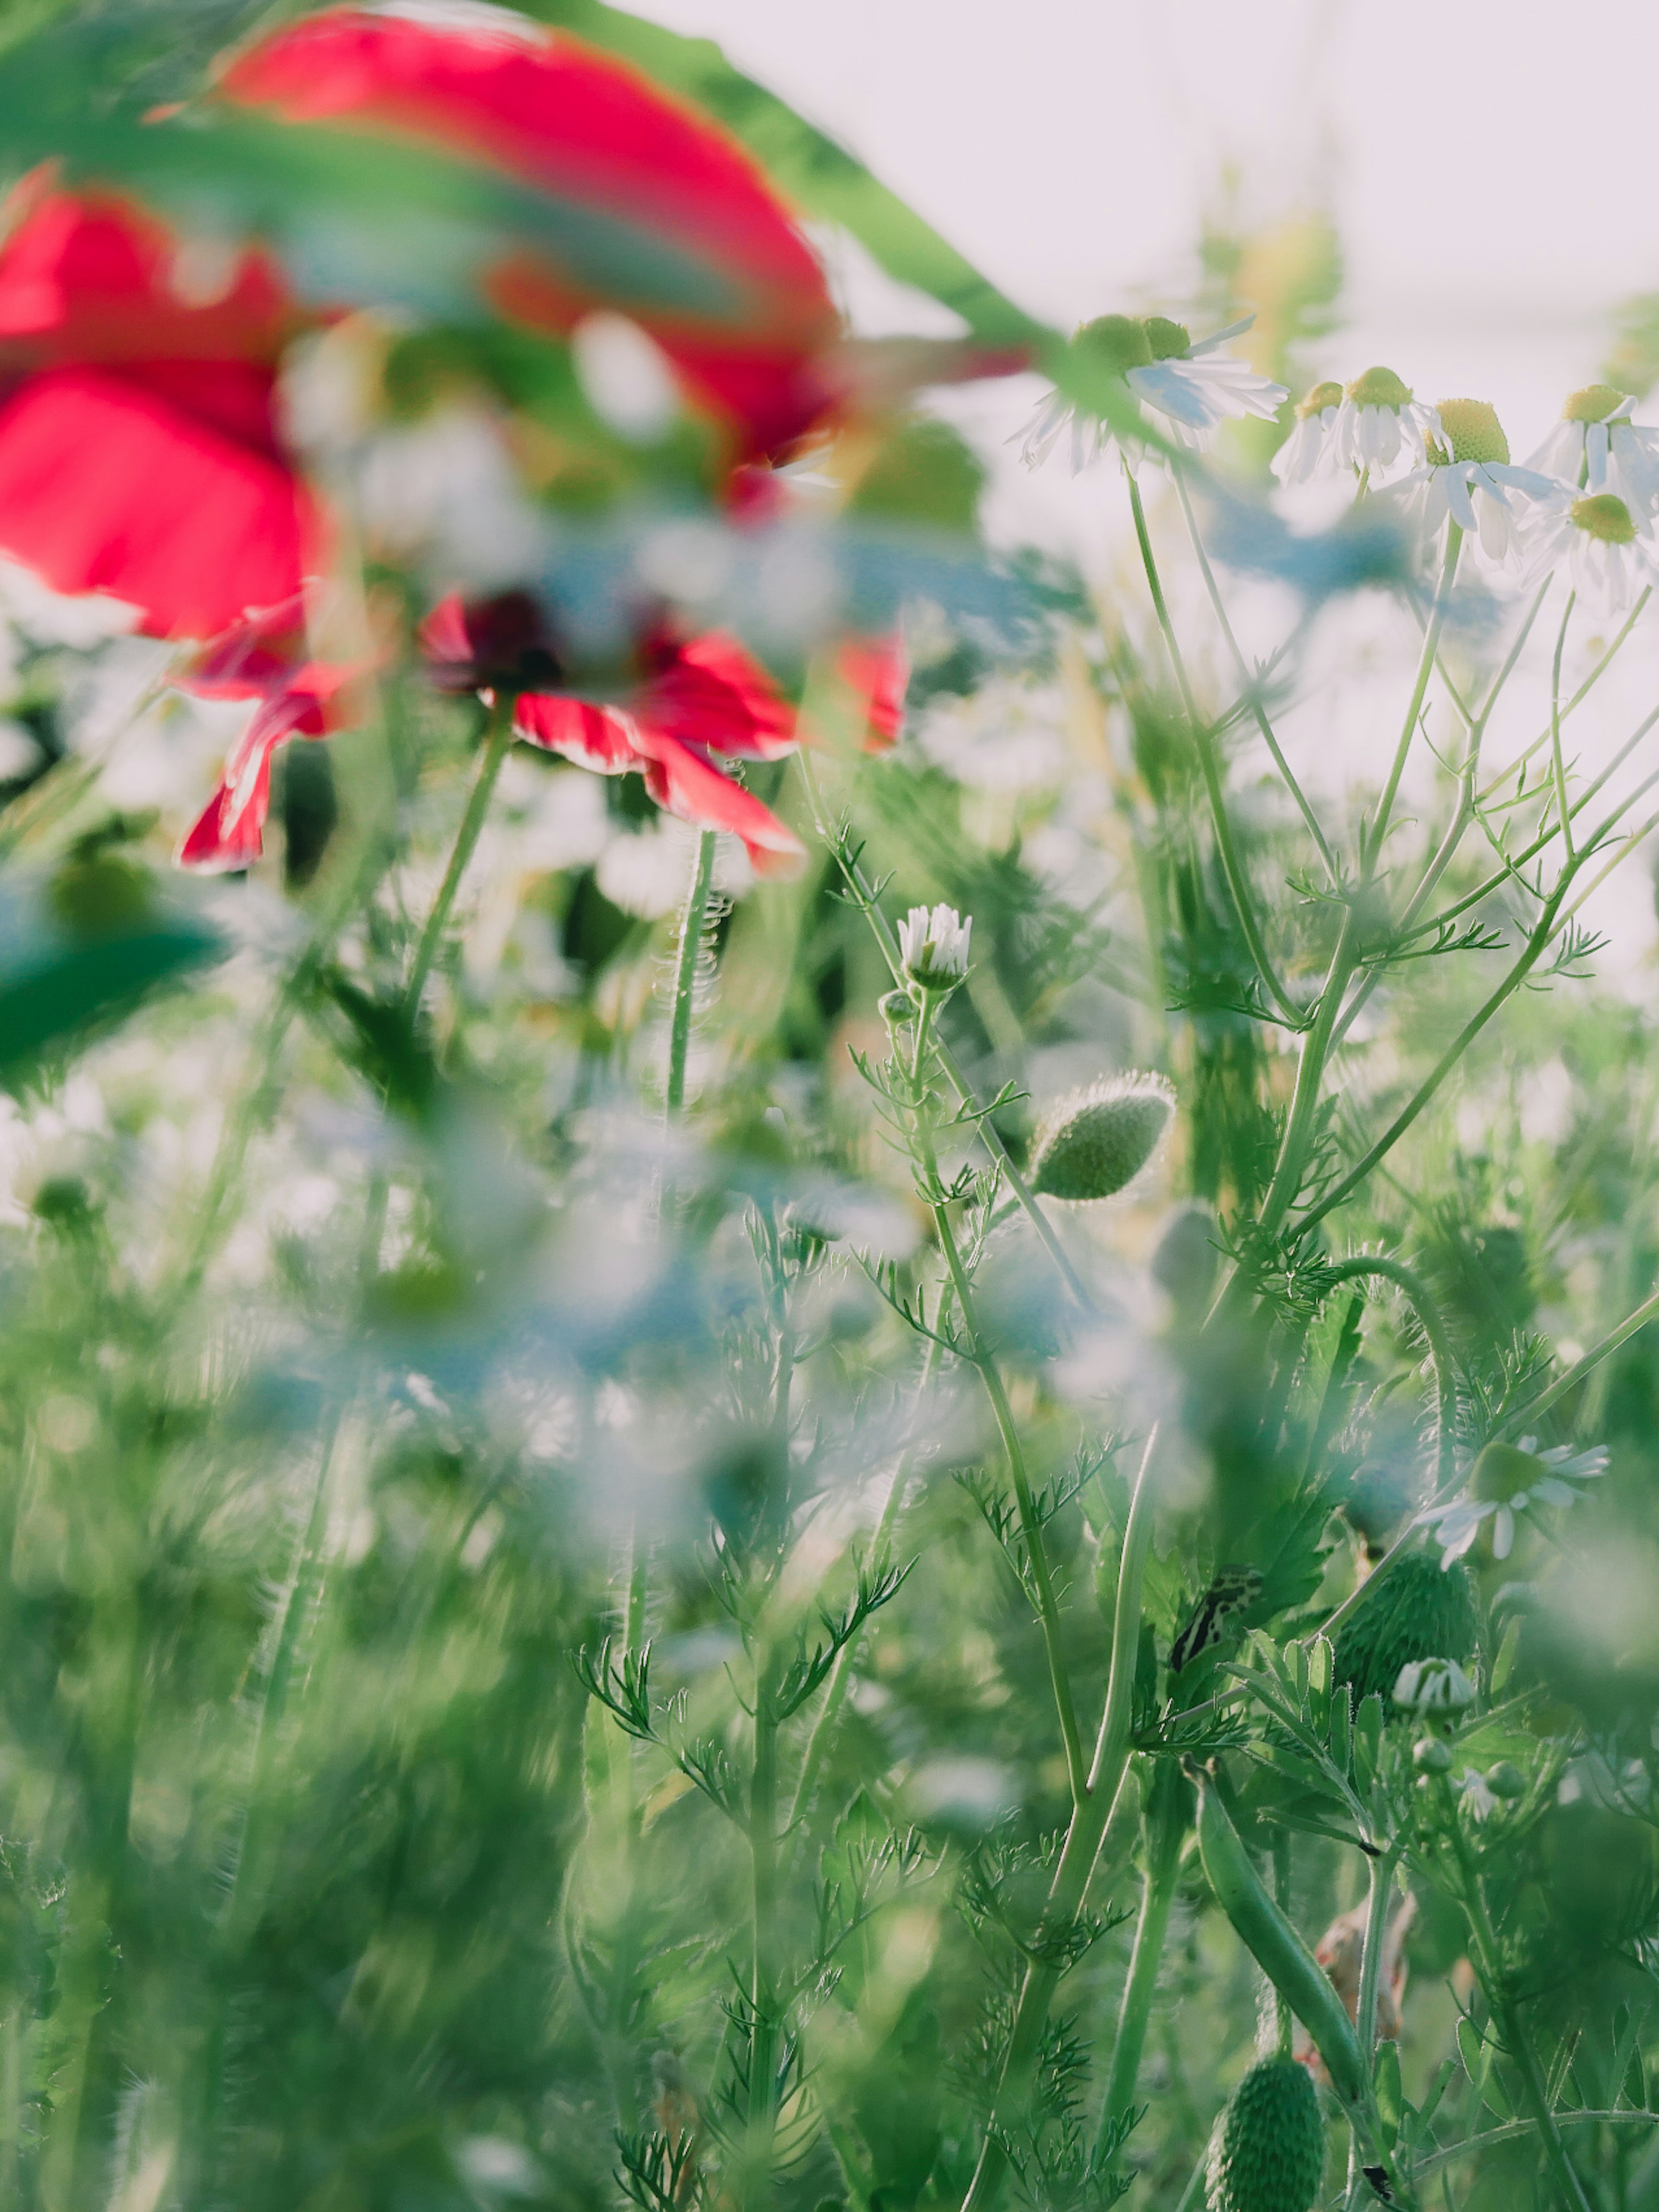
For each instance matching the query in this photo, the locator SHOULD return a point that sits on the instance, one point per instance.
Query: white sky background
(1488, 164)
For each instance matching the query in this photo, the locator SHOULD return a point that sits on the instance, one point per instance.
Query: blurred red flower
(139, 453)
(637, 166)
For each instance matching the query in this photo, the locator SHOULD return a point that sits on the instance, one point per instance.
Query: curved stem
(1083, 1839)
(498, 736)
(1440, 1348)
(692, 917)
(1373, 847)
(1250, 685)
(1232, 864)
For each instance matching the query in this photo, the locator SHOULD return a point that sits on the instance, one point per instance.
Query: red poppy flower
(262, 658)
(138, 450)
(588, 130)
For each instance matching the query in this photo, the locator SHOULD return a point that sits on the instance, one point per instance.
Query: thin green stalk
(840, 1674)
(1373, 847)
(1167, 1821)
(1440, 1346)
(1283, 2030)
(863, 895)
(1535, 1407)
(498, 737)
(1563, 812)
(692, 919)
(1370, 1961)
(1084, 1835)
(1577, 700)
(1250, 686)
(1299, 1127)
(985, 1362)
(1231, 862)
(762, 2111)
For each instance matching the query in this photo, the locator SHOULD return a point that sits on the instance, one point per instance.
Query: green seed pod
(1416, 1609)
(1277, 1949)
(1268, 2153)
(1093, 1142)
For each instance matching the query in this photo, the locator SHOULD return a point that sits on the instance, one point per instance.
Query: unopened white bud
(933, 946)
(1433, 1685)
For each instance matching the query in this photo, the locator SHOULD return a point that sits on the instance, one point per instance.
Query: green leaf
(1390, 2098)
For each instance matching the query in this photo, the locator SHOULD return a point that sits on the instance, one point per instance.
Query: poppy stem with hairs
(498, 736)
(692, 918)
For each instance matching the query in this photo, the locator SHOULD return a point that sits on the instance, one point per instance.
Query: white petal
(1553, 1492)
(1459, 502)
(1502, 1534)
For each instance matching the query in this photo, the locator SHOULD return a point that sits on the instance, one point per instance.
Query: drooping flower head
(1380, 423)
(1468, 479)
(627, 168)
(1308, 452)
(1595, 535)
(1596, 446)
(1193, 387)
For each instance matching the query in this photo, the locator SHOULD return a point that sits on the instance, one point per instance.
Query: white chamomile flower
(1308, 452)
(1433, 1685)
(933, 947)
(1595, 535)
(1468, 479)
(1507, 1479)
(1380, 423)
(1596, 446)
(1480, 1798)
(1195, 387)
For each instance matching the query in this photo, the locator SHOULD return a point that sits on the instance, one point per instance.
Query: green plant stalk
(1647, 1311)
(840, 1674)
(1284, 2025)
(1573, 703)
(1488, 1964)
(1250, 685)
(1440, 1346)
(762, 2111)
(692, 919)
(498, 737)
(863, 895)
(985, 1362)
(1291, 1163)
(1084, 1835)
(1558, 766)
(1232, 864)
(1372, 849)
(1381, 1870)
(1166, 1831)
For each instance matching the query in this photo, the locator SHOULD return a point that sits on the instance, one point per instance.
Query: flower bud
(1433, 1685)
(1268, 2152)
(1506, 1780)
(1091, 1143)
(933, 946)
(1431, 1756)
(1185, 1258)
(896, 1008)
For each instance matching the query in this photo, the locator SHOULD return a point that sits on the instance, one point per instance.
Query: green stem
(762, 2112)
(1168, 1814)
(692, 919)
(1232, 864)
(1647, 1311)
(1250, 686)
(1440, 1346)
(1373, 848)
(985, 1362)
(498, 737)
(863, 895)
(1299, 1128)
(1283, 2032)
(1370, 1962)
(1084, 1835)
(1558, 766)
(1577, 700)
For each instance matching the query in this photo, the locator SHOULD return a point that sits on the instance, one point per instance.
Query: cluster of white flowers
(1586, 502)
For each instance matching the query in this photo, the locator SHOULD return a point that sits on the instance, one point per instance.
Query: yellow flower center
(1118, 341)
(1603, 516)
(1379, 387)
(1166, 339)
(1473, 432)
(1501, 1472)
(1317, 401)
(1593, 404)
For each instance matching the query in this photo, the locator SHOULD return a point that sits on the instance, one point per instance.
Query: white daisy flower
(1596, 446)
(1192, 387)
(1479, 1800)
(1308, 451)
(1507, 1479)
(1379, 423)
(1610, 560)
(1468, 479)
(933, 947)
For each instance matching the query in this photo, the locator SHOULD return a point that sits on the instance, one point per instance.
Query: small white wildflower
(933, 946)
(1309, 452)
(1506, 1480)
(1195, 387)
(1380, 423)
(1609, 558)
(1596, 446)
(1433, 1685)
(1468, 479)
(1479, 1800)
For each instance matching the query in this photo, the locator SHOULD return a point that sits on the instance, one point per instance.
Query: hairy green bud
(1268, 2153)
(1416, 1609)
(1093, 1142)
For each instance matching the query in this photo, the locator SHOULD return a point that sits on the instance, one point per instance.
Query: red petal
(106, 488)
(683, 784)
(712, 693)
(227, 836)
(594, 737)
(877, 668)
